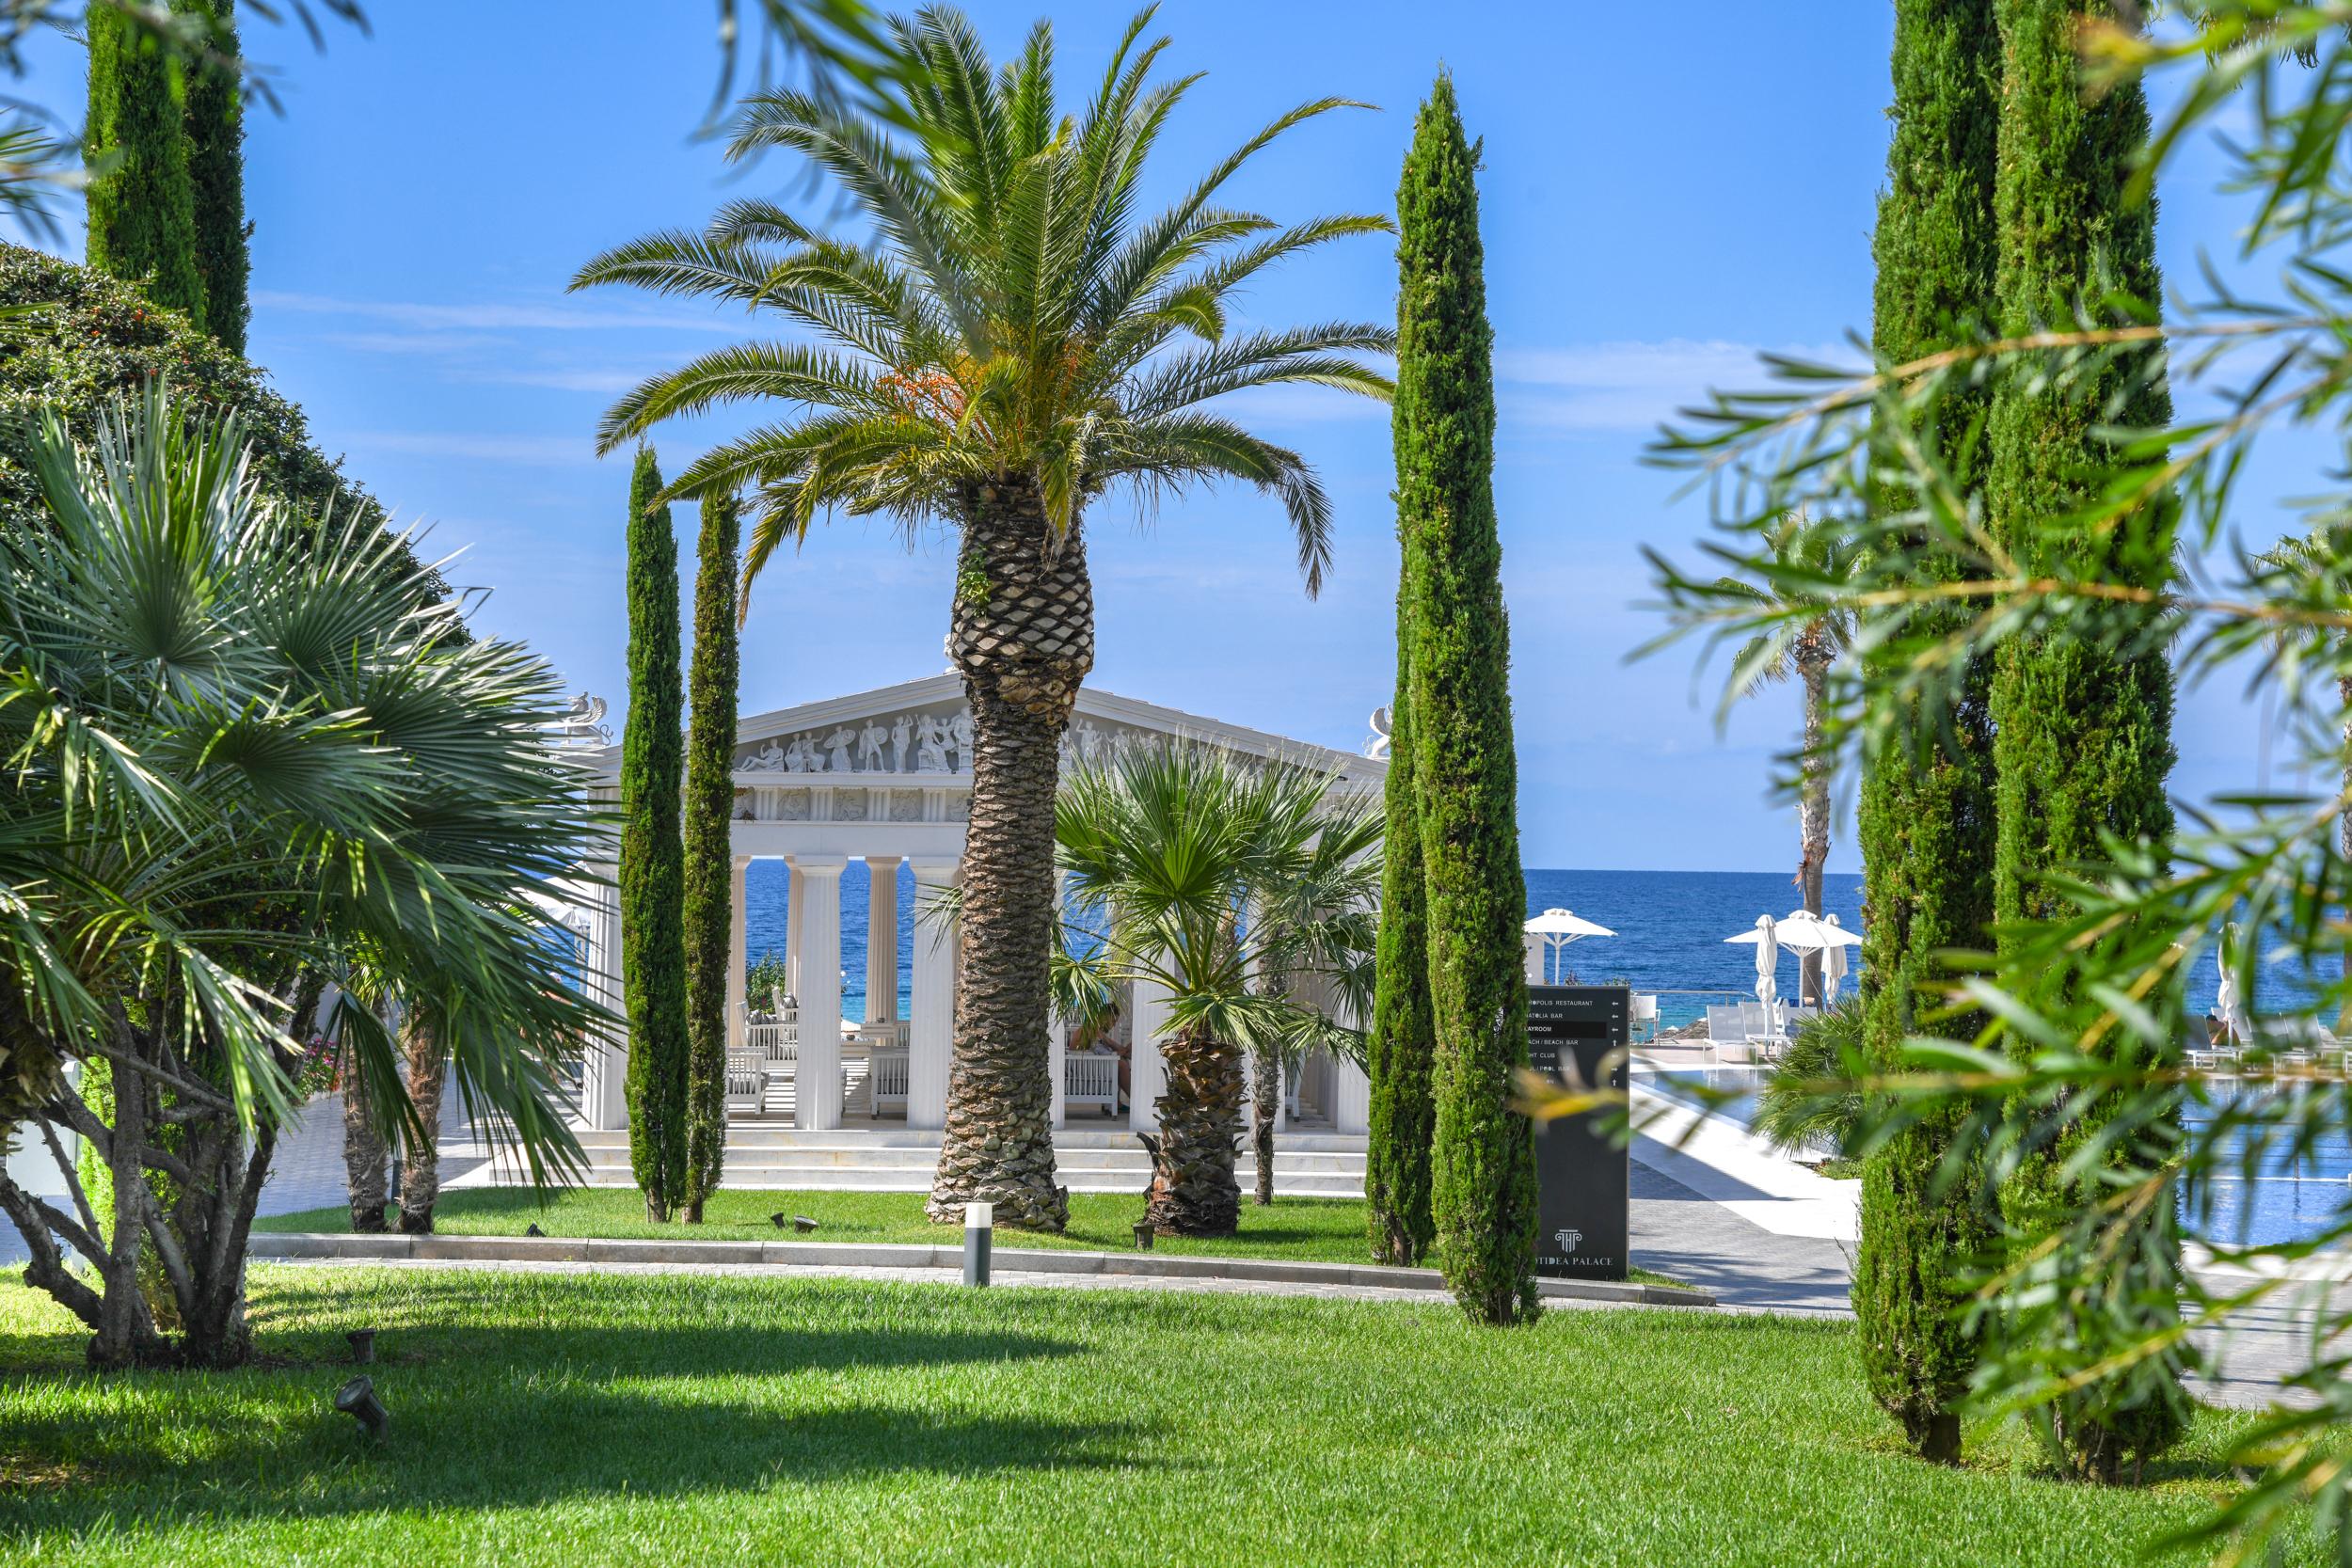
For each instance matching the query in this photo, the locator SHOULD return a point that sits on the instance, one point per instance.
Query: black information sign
(1585, 1186)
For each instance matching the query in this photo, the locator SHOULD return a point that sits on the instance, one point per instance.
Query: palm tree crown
(1012, 317)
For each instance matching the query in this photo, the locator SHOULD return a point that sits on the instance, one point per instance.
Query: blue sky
(1660, 203)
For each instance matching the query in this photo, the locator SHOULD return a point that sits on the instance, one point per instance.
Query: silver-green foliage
(248, 752)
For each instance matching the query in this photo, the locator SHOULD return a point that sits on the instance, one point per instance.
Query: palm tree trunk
(125, 1334)
(420, 1162)
(2344, 693)
(1266, 1096)
(1813, 809)
(1023, 637)
(1194, 1191)
(364, 1154)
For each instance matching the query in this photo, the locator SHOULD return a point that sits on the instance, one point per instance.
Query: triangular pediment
(919, 731)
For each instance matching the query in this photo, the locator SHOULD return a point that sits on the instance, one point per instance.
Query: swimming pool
(2281, 1200)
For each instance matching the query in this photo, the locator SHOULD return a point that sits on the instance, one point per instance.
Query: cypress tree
(1925, 815)
(1483, 1158)
(1400, 1045)
(215, 127)
(142, 208)
(653, 936)
(2083, 729)
(710, 848)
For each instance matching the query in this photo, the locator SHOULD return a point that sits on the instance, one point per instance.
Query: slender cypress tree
(216, 123)
(2083, 731)
(710, 848)
(142, 209)
(653, 936)
(1402, 1041)
(1925, 817)
(1483, 1158)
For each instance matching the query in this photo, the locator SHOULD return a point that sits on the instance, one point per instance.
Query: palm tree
(249, 751)
(1209, 878)
(2316, 568)
(1014, 341)
(1809, 562)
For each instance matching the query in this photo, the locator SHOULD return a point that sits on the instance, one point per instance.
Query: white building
(884, 776)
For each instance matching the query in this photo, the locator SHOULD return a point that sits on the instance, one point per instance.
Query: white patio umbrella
(1767, 939)
(1551, 931)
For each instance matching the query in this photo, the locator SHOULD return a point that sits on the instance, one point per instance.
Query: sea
(1672, 929)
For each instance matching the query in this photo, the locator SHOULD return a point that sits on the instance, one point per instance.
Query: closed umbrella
(1833, 960)
(1767, 939)
(2226, 1005)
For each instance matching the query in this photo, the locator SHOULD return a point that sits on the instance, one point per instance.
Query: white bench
(1091, 1079)
(889, 1079)
(747, 1083)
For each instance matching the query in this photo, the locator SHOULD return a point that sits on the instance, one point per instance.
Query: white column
(931, 1026)
(1147, 1074)
(1057, 1026)
(735, 950)
(1351, 1091)
(606, 1085)
(881, 940)
(792, 924)
(816, 1076)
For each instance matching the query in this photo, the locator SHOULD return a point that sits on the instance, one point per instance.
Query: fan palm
(1810, 628)
(1016, 341)
(1241, 891)
(247, 753)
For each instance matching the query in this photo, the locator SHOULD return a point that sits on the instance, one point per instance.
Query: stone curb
(294, 1246)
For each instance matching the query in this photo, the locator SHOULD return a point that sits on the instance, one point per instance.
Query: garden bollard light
(803, 1224)
(357, 1399)
(362, 1345)
(1145, 1231)
(979, 1229)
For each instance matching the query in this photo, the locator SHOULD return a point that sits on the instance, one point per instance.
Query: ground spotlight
(357, 1399)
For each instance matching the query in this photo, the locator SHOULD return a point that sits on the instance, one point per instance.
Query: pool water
(2283, 1199)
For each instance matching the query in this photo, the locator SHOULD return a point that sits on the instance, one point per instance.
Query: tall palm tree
(1012, 341)
(1810, 560)
(1207, 876)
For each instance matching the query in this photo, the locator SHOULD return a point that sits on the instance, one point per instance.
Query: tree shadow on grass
(511, 1416)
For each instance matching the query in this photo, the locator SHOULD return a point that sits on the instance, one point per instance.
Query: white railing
(1090, 1080)
(771, 1040)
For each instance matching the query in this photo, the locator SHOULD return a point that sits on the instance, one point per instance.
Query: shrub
(1809, 1104)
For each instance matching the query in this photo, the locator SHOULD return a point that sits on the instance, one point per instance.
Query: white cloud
(542, 451)
(564, 381)
(1633, 387)
(495, 317)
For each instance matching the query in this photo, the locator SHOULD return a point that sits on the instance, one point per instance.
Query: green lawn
(570, 1420)
(1319, 1229)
